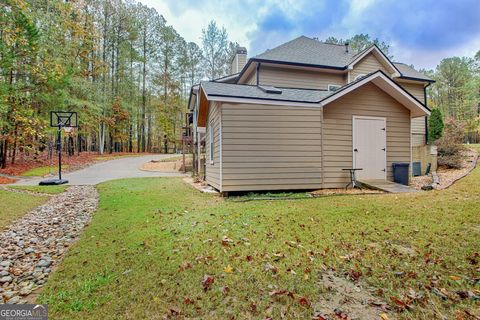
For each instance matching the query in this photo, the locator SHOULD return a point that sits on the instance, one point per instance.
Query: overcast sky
(420, 32)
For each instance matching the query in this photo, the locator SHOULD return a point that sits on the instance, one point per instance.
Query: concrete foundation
(425, 154)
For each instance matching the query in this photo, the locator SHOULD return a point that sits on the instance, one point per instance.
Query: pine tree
(435, 125)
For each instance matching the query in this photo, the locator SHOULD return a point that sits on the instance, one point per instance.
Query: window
(360, 76)
(333, 87)
(210, 139)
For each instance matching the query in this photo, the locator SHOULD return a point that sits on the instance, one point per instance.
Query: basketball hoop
(62, 120)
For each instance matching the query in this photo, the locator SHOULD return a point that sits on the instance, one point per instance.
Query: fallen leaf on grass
(184, 266)
(207, 282)
(401, 306)
(280, 293)
(226, 241)
(269, 267)
(456, 278)
(304, 302)
(354, 275)
(442, 293)
(384, 316)
(278, 256)
(228, 269)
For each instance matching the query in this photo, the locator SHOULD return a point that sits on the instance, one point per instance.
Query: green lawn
(42, 189)
(152, 242)
(13, 205)
(42, 171)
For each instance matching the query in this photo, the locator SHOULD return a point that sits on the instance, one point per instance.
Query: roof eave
(416, 79)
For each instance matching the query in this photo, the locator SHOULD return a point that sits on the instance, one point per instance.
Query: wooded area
(128, 74)
(117, 63)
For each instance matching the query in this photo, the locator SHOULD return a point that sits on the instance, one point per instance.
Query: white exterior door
(369, 147)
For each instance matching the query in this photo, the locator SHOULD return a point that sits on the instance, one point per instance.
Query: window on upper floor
(333, 87)
(362, 75)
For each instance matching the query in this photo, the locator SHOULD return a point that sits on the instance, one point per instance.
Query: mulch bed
(448, 176)
(5, 180)
(166, 166)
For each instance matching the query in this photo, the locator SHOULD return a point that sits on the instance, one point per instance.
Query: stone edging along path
(34, 244)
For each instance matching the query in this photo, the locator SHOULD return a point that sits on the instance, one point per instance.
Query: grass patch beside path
(42, 189)
(153, 241)
(42, 171)
(13, 205)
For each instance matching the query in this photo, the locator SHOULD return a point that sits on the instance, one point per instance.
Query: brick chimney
(239, 60)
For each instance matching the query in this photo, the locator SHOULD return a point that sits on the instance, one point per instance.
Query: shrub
(435, 125)
(450, 147)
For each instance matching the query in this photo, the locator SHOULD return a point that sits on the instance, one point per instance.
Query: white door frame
(384, 119)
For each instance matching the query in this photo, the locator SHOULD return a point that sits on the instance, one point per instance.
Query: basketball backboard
(64, 119)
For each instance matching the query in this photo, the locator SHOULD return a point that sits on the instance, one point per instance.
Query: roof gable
(384, 82)
(379, 56)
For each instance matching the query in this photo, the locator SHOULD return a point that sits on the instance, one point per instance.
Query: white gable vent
(270, 89)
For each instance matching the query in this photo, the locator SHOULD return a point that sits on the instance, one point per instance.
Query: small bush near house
(435, 125)
(450, 147)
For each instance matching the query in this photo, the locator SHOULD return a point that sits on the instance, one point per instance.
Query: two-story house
(295, 116)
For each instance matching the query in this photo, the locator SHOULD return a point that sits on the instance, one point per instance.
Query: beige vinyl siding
(418, 124)
(414, 89)
(368, 100)
(270, 147)
(367, 65)
(418, 131)
(294, 78)
(252, 79)
(212, 175)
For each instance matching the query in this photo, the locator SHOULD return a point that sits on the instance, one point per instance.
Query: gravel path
(34, 244)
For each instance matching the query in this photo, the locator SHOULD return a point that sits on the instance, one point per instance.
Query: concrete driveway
(128, 167)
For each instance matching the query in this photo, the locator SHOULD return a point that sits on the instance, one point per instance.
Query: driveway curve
(127, 167)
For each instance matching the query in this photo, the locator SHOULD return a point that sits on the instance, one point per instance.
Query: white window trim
(336, 86)
(361, 75)
(211, 142)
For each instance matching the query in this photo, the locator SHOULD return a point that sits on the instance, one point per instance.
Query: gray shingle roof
(253, 92)
(309, 51)
(305, 50)
(408, 71)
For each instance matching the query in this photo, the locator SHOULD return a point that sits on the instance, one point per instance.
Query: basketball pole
(59, 147)
(63, 119)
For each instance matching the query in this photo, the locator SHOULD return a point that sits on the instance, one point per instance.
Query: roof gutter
(426, 118)
(417, 79)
